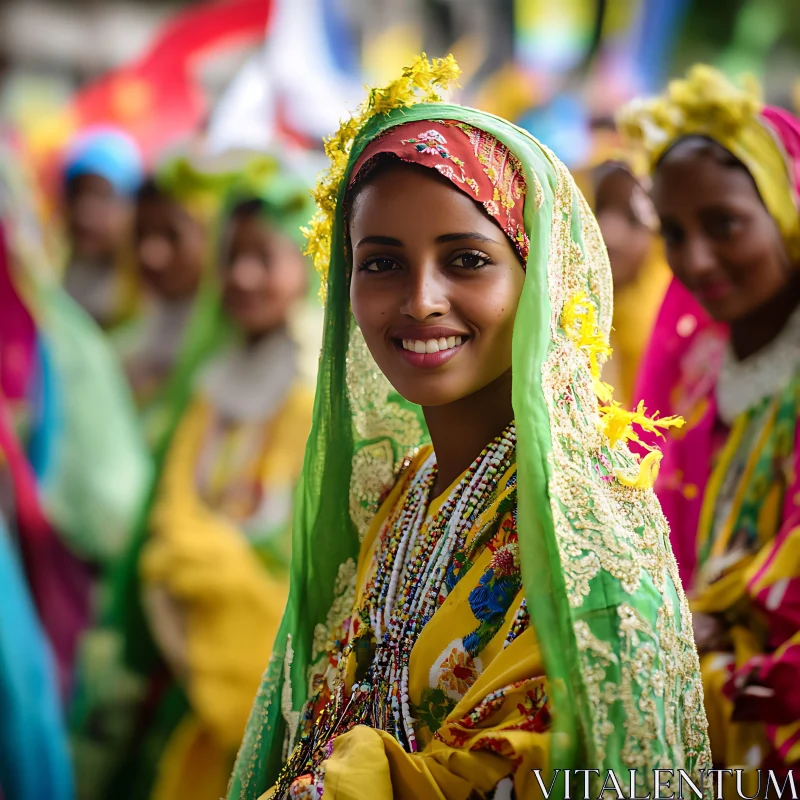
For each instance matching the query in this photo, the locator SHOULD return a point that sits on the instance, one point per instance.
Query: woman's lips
(712, 292)
(430, 353)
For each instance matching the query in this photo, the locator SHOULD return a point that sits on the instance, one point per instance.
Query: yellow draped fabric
(215, 598)
(481, 716)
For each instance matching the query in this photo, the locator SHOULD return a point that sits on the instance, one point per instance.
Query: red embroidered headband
(473, 160)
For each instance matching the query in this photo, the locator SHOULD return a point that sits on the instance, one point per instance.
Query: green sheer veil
(600, 578)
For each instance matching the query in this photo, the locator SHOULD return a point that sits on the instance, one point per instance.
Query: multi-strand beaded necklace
(409, 585)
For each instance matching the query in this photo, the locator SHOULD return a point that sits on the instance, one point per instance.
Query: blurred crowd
(160, 328)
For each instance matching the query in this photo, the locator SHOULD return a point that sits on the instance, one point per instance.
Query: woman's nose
(245, 272)
(699, 258)
(425, 293)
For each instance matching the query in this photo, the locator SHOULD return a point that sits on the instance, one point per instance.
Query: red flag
(157, 98)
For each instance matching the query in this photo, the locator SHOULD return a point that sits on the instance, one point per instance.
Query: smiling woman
(481, 580)
(725, 355)
(437, 306)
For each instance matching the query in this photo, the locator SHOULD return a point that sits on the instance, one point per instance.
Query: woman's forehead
(696, 177)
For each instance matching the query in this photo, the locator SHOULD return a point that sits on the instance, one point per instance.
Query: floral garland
(704, 102)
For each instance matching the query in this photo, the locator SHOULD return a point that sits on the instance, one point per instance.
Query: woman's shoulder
(394, 493)
(408, 466)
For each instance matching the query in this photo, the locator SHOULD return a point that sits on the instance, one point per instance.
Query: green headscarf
(601, 582)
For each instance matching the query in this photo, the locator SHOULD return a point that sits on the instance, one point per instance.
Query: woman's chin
(428, 393)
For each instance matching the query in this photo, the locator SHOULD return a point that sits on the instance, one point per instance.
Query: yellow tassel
(579, 321)
(648, 472)
(421, 82)
(617, 423)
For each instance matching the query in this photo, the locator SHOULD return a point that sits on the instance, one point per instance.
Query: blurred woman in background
(77, 465)
(102, 172)
(210, 569)
(176, 211)
(629, 226)
(725, 356)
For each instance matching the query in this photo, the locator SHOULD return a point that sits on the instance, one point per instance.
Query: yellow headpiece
(199, 193)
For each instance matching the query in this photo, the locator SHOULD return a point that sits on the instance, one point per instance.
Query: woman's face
(170, 247)
(264, 274)
(621, 208)
(721, 242)
(98, 219)
(435, 285)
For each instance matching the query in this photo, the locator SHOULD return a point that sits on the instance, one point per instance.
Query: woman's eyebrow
(444, 238)
(380, 240)
(474, 235)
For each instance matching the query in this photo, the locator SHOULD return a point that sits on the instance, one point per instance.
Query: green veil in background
(600, 578)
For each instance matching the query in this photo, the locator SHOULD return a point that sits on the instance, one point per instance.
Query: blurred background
(156, 159)
(547, 65)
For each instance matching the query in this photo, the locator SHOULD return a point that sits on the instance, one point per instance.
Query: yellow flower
(646, 476)
(704, 102)
(617, 423)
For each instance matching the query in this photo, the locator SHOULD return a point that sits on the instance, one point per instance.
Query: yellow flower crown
(421, 82)
(199, 192)
(705, 102)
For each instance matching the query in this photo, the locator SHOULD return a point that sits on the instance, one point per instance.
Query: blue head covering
(109, 153)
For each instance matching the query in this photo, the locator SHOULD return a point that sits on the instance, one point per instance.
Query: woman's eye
(671, 234)
(378, 265)
(471, 260)
(723, 226)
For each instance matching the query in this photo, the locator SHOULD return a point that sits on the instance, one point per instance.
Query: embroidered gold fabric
(614, 534)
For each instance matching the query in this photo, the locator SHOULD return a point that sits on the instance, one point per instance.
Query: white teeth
(431, 345)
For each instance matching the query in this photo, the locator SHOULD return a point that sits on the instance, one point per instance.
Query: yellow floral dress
(476, 681)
